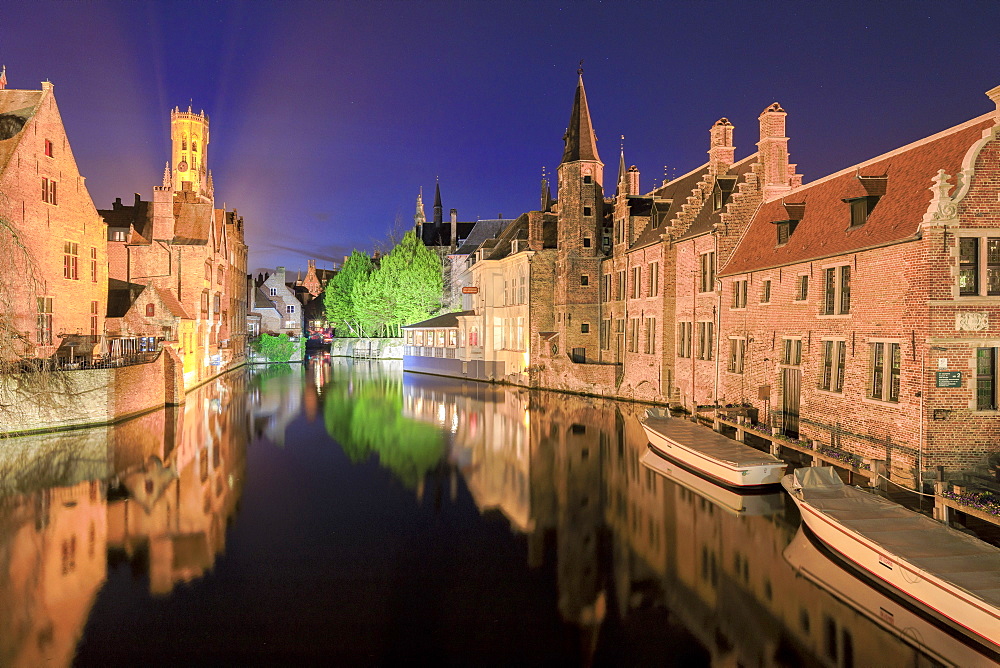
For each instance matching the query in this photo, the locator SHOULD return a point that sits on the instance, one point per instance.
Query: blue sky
(327, 117)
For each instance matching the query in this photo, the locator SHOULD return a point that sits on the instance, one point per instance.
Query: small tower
(189, 157)
(3, 77)
(420, 218)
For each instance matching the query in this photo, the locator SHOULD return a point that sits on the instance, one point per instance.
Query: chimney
(536, 230)
(454, 228)
(994, 95)
(280, 273)
(163, 213)
(632, 178)
(777, 175)
(721, 152)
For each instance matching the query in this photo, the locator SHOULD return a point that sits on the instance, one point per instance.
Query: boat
(732, 500)
(711, 454)
(889, 612)
(952, 575)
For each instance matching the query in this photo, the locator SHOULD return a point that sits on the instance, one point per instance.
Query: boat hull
(977, 617)
(756, 476)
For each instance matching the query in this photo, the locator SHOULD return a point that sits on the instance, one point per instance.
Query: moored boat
(709, 453)
(954, 576)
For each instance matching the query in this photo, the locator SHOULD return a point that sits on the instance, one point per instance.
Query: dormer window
(785, 229)
(723, 189)
(861, 208)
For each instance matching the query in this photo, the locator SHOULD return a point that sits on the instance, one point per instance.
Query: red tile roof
(823, 230)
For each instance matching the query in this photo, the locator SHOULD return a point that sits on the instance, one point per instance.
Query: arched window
(184, 142)
(194, 145)
(150, 310)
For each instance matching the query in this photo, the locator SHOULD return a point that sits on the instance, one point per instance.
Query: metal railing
(60, 364)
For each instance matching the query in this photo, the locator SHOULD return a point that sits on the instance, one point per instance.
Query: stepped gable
(17, 107)
(666, 212)
(825, 227)
(707, 217)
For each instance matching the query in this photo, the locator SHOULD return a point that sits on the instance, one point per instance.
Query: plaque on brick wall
(972, 321)
(949, 379)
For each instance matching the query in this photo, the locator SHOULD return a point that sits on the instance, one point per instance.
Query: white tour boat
(948, 573)
(709, 453)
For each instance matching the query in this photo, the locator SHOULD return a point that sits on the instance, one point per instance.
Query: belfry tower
(189, 157)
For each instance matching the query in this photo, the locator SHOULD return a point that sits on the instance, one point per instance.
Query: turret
(189, 136)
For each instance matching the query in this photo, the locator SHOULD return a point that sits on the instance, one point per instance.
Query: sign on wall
(949, 379)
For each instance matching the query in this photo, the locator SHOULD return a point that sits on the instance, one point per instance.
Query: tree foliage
(278, 348)
(406, 287)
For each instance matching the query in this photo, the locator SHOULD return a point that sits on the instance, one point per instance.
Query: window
(93, 264)
(274, 292)
(220, 275)
(184, 142)
(861, 208)
(654, 279)
(706, 340)
(792, 354)
(452, 337)
(765, 292)
(837, 290)
(620, 288)
(650, 336)
(785, 229)
(832, 371)
(150, 310)
(633, 335)
(586, 242)
(49, 190)
(43, 326)
(217, 306)
(884, 383)
(204, 303)
(585, 328)
(605, 334)
(636, 282)
(585, 280)
(117, 235)
(978, 266)
(93, 318)
(587, 211)
(740, 294)
(48, 148)
(802, 288)
(587, 179)
(737, 351)
(684, 339)
(607, 287)
(194, 145)
(71, 252)
(707, 272)
(521, 291)
(986, 379)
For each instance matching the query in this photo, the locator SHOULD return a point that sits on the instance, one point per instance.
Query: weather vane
(579, 70)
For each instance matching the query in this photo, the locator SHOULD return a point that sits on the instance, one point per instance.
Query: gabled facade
(54, 280)
(280, 311)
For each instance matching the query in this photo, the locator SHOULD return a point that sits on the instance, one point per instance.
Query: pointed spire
(3, 77)
(166, 175)
(546, 193)
(581, 143)
(622, 185)
(419, 218)
(211, 183)
(438, 210)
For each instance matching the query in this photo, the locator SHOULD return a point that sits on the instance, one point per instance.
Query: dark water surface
(350, 514)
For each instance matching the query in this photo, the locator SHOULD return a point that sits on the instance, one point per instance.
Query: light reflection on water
(399, 480)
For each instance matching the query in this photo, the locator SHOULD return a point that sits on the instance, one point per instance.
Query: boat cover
(709, 443)
(962, 560)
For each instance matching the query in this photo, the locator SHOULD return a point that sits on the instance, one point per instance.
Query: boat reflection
(156, 491)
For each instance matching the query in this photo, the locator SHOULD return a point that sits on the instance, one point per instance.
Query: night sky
(327, 117)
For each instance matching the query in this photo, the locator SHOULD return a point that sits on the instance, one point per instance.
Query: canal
(347, 513)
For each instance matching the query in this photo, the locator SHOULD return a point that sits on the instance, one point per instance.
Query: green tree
(413, 280)
(338, 296)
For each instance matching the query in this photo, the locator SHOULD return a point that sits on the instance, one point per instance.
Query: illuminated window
(43, 325)
(71, 253)
(49, 190)
(117, 235)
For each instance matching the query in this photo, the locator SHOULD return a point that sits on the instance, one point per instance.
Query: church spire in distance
(438, 210)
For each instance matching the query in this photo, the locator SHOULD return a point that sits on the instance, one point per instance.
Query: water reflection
(156, 491)
(641, 561)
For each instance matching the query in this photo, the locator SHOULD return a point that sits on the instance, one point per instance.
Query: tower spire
(621, 169)
(581, 142)
(3, 77)
(438, 210)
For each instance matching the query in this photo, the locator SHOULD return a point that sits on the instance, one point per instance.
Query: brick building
(53, 285)
(181, 245)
